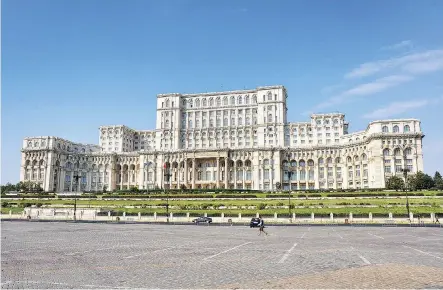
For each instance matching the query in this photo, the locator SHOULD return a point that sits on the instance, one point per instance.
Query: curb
(227, 224)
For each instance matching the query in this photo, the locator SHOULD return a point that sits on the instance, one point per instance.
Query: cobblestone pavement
(80, 255)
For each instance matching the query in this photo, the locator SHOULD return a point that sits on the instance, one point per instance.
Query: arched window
(266, 162)
(167, 103)
(254, 99)
(386, 152)
(302, 163)
(406, 128)
(197, 103)
(247, 100)
(190, 103)
(240, 100)
(211, 102)
(310, 162)
(225, 101)
(204, 103)
(385, 129)
(397, 152)
(240, 121)
(269, 96)
(364, 157)
(225, 122)
(408, 151)
(349, 159)
(248, 121)
(320, 161)
(395, 129)
(218, 102)
(269, 118)
(232, 100)
(167, 124)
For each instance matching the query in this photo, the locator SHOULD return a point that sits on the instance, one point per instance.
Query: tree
(8, 187)
(438, 180)
(395, 183)
(420, 181)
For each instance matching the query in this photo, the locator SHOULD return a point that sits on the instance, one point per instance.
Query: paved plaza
(84, 255)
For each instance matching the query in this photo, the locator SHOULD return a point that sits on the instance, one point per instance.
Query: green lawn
(417, 205)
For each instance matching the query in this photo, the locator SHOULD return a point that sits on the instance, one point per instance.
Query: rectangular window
(387, 169)
(398, 168)
(350, 174)
(266, 174)
(338, 172)
(321, 172)
(303, 175)
(330, 172)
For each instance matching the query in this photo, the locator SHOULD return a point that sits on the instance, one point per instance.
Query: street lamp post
(167, 178)
(405, 175)
(290, 172)
(76, 177)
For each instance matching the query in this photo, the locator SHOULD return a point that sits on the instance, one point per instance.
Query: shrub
(262, 206)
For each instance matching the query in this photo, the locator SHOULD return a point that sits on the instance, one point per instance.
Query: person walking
(261, 226)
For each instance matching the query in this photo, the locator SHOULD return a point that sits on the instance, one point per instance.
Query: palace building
(234, 139)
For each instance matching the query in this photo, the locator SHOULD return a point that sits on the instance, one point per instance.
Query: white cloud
(377, 85)
(424, 66)
(402, 62)
(397, 108)
(366, 89)
(400, 45)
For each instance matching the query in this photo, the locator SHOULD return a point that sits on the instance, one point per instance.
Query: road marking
(227, 250)
(95, 250)
(426, 253)
(337, 233)
(364, 259)
(146, 253)
(302, 235)
(376, 236)
(286, 255)
(361, 257)
(66, 284)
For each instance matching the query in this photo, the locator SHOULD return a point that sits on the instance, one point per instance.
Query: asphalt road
(81, 255)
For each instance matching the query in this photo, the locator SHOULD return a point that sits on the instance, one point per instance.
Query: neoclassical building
(233, 139)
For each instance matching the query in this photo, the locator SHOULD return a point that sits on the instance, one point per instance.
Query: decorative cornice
(251, 91)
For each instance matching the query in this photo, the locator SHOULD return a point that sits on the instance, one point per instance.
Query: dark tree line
(418, 181)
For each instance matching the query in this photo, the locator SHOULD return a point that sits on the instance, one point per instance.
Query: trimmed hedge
(236, 196)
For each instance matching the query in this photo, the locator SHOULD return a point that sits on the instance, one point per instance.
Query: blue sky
(71, 66)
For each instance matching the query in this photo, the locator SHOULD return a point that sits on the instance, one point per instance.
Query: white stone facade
(235, 139)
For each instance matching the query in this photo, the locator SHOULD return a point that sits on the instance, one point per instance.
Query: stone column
(121, 178)
(186, 172)
(61, 180)
(218, 173)
(226, 172)
(244, 176)
(317, 176)
(193, 172)
(129, 176)
(72, 180)
(235, 174)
